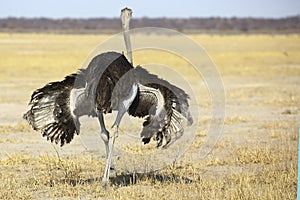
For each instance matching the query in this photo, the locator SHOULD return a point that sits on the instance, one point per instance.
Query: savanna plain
(255, 156)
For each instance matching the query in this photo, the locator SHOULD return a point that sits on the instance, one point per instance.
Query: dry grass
(25, 176)
(20, 127)
(256, 157)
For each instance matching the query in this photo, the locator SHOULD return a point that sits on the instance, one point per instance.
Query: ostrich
(110, 82)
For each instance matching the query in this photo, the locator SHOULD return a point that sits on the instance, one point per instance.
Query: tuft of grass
(236, 119)
(258, 155)
(20, 128)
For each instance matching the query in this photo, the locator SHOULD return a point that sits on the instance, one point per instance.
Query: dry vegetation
(256, 157)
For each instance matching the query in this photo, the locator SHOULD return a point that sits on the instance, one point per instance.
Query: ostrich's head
(126, 14)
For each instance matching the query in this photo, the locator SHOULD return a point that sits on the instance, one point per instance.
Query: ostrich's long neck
(125, 16)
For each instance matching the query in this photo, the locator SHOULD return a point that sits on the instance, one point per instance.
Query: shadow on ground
(131, 179)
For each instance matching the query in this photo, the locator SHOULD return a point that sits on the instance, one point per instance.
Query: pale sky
(153, 8)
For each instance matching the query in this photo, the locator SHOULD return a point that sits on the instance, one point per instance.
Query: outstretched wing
(163, 121)
(50, 111)
(164, 105)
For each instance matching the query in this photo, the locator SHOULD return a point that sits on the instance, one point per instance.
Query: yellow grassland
(255, 158)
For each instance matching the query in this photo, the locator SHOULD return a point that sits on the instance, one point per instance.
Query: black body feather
(100, 89)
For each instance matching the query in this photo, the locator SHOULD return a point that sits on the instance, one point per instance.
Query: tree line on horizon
(185, 25)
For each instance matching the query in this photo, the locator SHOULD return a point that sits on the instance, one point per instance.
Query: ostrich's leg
(109, 142)
(104, 133)
(105, 179)
(124, 106)
(122, 109)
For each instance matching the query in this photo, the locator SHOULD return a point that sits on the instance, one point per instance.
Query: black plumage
(106, 85)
